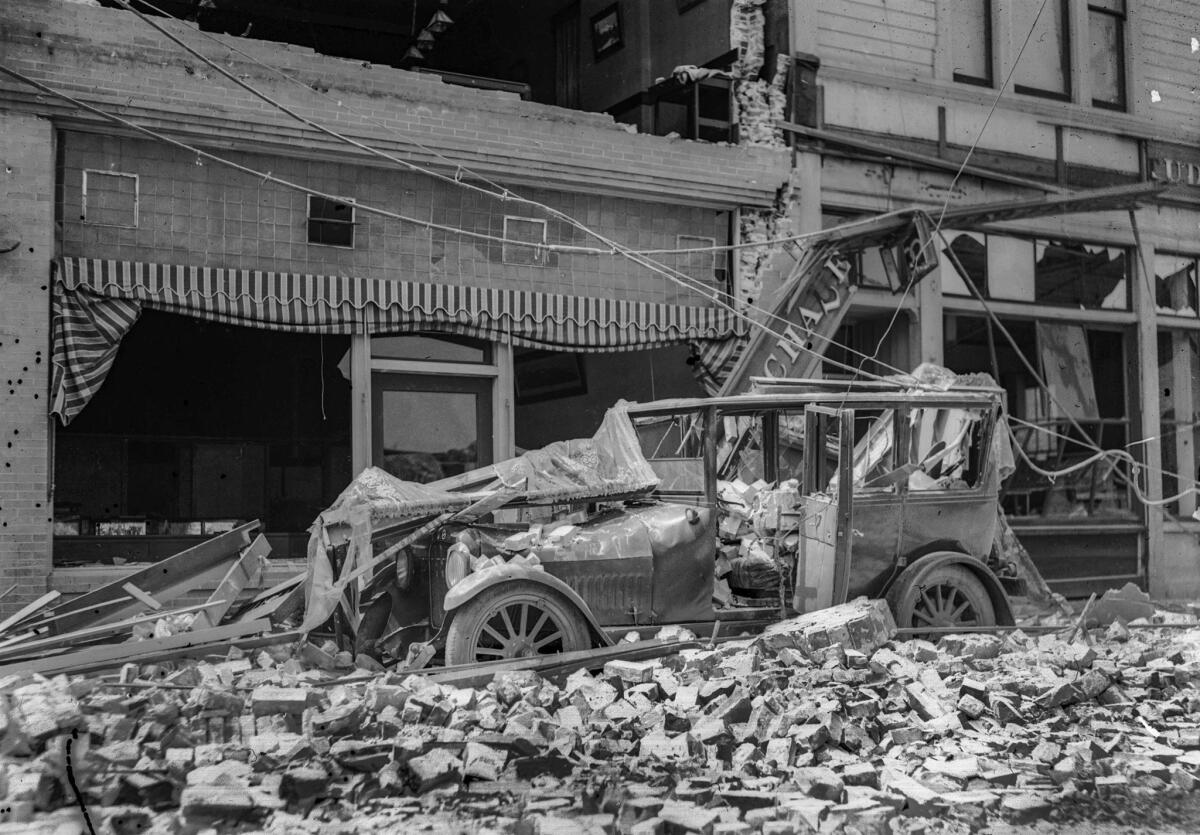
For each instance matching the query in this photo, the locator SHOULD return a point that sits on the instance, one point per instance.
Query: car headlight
(458, 564)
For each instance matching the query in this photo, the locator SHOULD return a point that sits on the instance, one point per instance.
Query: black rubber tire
(946, 596)
(563, 629)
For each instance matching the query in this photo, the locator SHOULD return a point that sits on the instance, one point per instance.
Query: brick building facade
(92, 195)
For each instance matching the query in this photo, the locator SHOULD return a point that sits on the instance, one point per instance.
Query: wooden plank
(277, 608)
(28, 609)
(198, 650)
(290, 582)
(89, 633)
(235, 580)
(143, 651)
(136, 593)
(165, 580)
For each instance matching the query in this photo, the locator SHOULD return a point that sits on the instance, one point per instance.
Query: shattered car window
(740, 448)
(674, 447)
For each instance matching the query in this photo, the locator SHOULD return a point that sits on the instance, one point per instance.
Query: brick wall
(27, 214)
(109, 58)
(208, 215)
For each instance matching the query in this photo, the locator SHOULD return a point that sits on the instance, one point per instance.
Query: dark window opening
(199, 427)
(330, 222)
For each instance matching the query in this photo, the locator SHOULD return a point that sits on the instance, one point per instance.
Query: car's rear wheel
(948, 596)
(515, 620)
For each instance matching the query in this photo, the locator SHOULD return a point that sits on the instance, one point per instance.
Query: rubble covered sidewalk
(823, 723)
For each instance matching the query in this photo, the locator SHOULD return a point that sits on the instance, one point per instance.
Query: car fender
(471, 586)
(923, 565)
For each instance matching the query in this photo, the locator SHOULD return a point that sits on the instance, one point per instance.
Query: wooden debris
(248, 566)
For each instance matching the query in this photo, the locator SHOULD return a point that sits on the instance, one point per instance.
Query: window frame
(540, 256)
(1121, 17)
(1064, 58)
(351, 223)
(989, 60)
(83, 201)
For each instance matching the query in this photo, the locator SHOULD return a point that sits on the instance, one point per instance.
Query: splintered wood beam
(239, 575)
(164, 580)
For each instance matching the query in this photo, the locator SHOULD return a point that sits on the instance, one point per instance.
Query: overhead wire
(962, 167)
(1087, 441)
(500, 192)
(505, 194)
(687, 282)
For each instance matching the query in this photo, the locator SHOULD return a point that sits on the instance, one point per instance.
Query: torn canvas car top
(609, 464)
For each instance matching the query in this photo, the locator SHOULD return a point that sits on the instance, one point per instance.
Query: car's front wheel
(514, 620)
(947, 596)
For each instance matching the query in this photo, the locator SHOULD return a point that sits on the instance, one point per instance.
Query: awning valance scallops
(95, 302)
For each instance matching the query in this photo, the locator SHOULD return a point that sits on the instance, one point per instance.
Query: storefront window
(1084, 368)
(1175, 284)
(200, 427)
(1179, 402)
(1064, 273)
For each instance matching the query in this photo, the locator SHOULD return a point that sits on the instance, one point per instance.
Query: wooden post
(360, 408)
(1146, 369)
(1181, 394)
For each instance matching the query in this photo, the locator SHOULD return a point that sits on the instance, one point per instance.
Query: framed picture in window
(606, 31)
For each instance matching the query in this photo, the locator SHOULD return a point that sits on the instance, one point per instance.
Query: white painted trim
(441, 369)
(1026, 310)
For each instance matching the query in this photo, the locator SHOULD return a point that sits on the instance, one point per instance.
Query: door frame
(363, 365)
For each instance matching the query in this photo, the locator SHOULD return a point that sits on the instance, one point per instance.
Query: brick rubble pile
(822, 723)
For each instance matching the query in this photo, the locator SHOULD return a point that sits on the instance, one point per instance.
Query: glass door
(431, 426)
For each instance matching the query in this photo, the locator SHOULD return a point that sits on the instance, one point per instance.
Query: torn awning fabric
(95, 302)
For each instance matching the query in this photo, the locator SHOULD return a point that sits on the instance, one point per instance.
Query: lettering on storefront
(814, 309)
(1177, 171)
(827, 294)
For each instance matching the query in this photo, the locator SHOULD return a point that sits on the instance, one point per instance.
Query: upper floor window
(1044, 65)
(330, 222)
(1106, 34)
(1039, 34)
(110, 198)
(971, 41)
(524, 241)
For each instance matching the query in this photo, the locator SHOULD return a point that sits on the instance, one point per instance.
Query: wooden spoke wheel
(948, 596)
(514, 620)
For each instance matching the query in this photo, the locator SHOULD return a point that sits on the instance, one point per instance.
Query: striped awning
(96, 302)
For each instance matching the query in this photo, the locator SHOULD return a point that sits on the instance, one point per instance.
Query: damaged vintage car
(735, 511)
